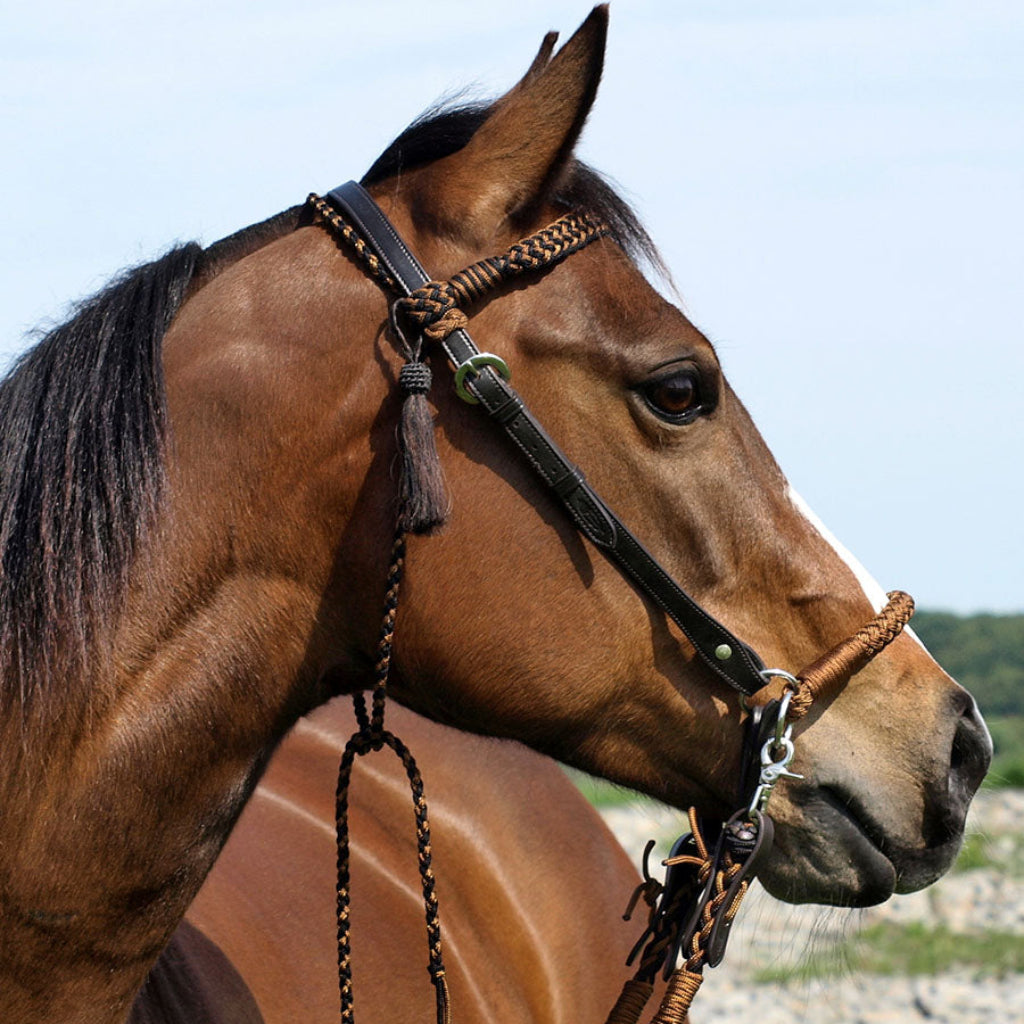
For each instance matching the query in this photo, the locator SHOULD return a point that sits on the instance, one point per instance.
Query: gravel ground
(769, 934)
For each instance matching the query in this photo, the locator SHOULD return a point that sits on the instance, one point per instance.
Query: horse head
(512, 624)
(196, 535)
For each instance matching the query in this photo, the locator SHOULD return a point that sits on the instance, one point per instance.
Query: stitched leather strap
(741, 668)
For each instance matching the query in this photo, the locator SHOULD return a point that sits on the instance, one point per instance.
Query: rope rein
(435, 311)
(371, 735)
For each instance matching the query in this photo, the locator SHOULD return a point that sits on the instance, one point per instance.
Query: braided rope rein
(434, 311)
(371, 735)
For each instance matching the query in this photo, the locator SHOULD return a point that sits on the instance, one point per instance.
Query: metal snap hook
(792, 685)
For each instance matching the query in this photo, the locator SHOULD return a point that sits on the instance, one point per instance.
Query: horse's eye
(676, 397)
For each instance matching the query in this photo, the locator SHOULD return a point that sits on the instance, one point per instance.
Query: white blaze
(872, 590)
(874, 593)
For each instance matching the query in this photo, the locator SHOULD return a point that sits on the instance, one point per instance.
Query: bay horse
(198, 503)
(532, 885)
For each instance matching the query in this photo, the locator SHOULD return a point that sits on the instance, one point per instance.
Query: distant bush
(983, 652)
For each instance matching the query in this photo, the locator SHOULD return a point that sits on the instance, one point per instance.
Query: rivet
(723, 652)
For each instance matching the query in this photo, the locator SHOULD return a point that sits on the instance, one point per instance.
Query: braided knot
(452, 320)
(434, 309)
(414, 378)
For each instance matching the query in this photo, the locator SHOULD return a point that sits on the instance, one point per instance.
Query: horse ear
(520, 151)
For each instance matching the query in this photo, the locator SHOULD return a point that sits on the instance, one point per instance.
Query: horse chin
(830, 850)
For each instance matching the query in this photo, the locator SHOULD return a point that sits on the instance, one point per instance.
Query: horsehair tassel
(424, 502)
(631, 1002)
(444, 1006)
(435, 311)
(849, 656)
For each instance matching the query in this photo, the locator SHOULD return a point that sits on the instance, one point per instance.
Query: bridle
(711, 868)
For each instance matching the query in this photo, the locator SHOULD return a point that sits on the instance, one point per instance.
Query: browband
(727, 656)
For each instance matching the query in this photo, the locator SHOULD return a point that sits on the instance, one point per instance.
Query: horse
(198, 510)
(531, 882)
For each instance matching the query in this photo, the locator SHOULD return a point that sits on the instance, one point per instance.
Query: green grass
(912, 949)
(601, 793)
(975, 854)
(1001, 852)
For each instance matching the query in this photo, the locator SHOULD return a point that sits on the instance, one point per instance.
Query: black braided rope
(372, 735)
(415, 378)
(345, 231)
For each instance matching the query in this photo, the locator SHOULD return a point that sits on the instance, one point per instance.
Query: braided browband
(438, 307)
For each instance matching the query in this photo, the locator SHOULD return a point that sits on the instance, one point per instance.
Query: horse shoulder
(530, 881)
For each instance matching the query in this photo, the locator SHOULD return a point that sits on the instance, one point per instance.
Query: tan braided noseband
(833, 669)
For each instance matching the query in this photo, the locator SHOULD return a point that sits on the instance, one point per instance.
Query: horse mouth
(840, 854)
(834, 852)
(854, 827)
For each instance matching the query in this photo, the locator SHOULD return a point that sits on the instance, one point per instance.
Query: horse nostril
(971, 753)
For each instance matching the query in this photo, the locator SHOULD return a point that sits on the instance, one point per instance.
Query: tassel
(424, 501)
(441, 997)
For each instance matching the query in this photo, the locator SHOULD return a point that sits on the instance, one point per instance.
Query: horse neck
(115, 813)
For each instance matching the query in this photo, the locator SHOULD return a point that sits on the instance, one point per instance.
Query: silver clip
(776, 755)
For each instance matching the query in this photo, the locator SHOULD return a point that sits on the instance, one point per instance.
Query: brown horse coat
(531, 883)
(198, 505)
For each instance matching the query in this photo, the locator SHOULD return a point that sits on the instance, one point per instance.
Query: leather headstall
(728, 657)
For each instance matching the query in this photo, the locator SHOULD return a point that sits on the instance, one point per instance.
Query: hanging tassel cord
(370, 736)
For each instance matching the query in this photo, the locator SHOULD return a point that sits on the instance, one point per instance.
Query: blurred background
(838, 189)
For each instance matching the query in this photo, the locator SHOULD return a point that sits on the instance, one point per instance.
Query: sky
(838, 188)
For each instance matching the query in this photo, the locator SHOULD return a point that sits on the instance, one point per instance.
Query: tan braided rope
(675, 1005)
(631, 1002)
(831, 671)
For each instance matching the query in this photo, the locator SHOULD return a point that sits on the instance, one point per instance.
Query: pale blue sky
(838, 188)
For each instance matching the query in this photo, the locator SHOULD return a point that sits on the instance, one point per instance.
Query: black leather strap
(741, 667)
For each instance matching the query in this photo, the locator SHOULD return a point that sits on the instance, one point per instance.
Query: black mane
(444, 130)
(82, 430)
(81, 441)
